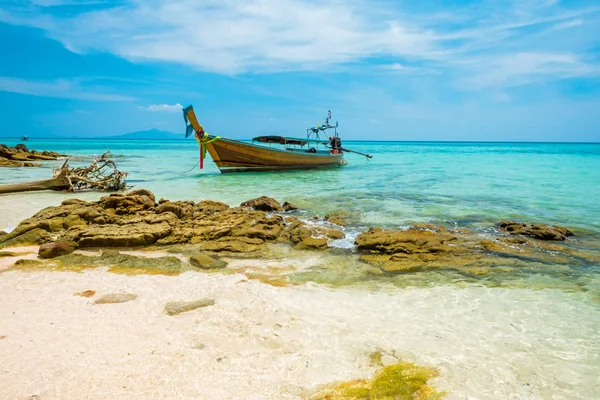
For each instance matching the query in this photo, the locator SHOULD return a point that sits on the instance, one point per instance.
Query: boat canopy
(287, 140)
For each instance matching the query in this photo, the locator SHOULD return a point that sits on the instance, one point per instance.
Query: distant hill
(152, 134)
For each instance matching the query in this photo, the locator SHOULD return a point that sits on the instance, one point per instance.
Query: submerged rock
(536, 231)
(313, 237)
(263, 203)
(178, 307)
(204, 261)
(114, 298)
(337, 218)
(56, 249)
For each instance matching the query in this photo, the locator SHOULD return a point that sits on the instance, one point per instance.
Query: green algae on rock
(401, 381)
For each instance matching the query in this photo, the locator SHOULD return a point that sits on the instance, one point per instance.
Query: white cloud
(164, 107)
(230, 36)
(257, 36)
(569, 24)
(523, 68)
(61, 88)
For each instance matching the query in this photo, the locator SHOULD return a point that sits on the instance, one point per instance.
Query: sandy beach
(264, 342)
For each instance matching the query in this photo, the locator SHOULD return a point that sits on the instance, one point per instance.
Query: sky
(460, 70)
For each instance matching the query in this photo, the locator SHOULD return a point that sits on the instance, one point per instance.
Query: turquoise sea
(530, 336)
(465, 184)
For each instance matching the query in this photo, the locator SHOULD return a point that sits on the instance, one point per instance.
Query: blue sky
(391, 70)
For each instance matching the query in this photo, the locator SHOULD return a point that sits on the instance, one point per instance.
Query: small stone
(178, 307)
(204, 261)
(113, 298)
(56, 249)
(87, 293)
(289, 206)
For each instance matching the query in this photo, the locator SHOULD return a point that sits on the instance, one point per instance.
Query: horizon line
(113, 138)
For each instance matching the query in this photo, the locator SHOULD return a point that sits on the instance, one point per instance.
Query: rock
(335, 219)
(408, 241)
(129, 235)
(234, 245)
(313, 243)
(69, 202)
(179, 208)
(313, 237)
(263, 203)
(289, 206)
(20, 156)
(87, 293)
(204, 261)
(536, 231)
(178, 307)
(113, 298)
(142, 192)
(128, 204)
(22, 147)
(29, 237)
(56, 249)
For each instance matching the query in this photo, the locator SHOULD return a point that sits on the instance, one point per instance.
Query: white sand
(263, 342)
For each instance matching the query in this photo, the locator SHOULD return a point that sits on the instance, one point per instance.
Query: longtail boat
(290, 153)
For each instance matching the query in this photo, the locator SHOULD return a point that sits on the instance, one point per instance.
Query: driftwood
(101, 174)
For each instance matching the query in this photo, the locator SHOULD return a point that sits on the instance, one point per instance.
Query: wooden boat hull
(235, 156)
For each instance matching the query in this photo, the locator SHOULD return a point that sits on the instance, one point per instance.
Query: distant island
(151, 134)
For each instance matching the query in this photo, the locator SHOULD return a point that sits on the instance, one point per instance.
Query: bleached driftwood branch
(101, 174)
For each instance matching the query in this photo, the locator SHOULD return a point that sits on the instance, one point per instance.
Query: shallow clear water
(469, 184)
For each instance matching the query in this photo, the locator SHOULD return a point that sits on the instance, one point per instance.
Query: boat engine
(336, 144)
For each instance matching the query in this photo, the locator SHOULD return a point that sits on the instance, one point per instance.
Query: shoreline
(291, 317)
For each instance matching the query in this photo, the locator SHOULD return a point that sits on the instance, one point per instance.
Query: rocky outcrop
(536, 231)
(427, 247)
(135, 219)
(21, 156)
(56, 249)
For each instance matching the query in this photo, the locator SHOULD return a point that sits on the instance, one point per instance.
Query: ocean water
(531, 336)
(464, 184)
